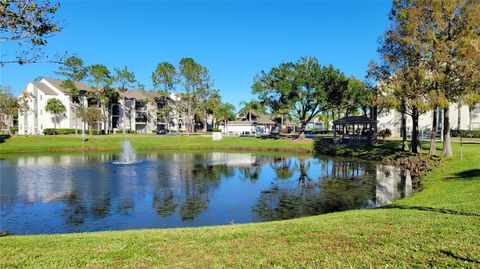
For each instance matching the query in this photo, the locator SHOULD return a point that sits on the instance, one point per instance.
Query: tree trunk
(206, 122)
(98, 122)
(447, 145)
(107, 117)
(188, 121)
(459, 116)
(415, 143)
(74, 108)
(433, 145)
(302, 130)
(403, 131)
(124, 107)
(281, 122)
(8, 126)
(470, 108)
(90, 129)
(55, 122)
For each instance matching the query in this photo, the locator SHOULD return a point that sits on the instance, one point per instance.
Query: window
(40, 97)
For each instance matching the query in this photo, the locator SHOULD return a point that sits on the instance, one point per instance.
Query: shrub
(385, 133)
(465, 133)
(95, 132)
(130, 131)
(14, 129)
(215, 130)
(59, 131)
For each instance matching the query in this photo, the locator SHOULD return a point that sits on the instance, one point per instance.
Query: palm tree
(225, 112)
(56, 107)
(250, 107)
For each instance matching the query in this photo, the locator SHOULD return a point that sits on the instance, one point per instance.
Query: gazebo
(355, 130)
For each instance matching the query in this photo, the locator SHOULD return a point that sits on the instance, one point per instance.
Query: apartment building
(135, 110)
(469, 120)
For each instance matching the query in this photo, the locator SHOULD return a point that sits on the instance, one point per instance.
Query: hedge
(59, 131)
(465, 133)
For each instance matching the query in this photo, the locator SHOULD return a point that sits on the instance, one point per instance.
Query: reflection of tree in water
(282, 167)
(308, 198)
(252, 172)
(97, 203)
(164, 204)
(74, 212)
(342, 168)
(101, 206)
(197, 181)
(126, 206)
(303, 168)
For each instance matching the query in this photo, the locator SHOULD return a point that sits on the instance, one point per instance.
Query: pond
(65, 193)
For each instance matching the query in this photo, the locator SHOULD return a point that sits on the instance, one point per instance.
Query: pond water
(65, 193)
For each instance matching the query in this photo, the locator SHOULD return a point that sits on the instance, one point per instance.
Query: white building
(258, 125)
(135, 110)
(469, 121)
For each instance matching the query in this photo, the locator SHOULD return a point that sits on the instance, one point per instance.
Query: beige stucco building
(135, 110)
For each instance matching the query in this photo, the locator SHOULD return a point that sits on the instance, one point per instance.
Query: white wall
(233, 128)
(392, 120)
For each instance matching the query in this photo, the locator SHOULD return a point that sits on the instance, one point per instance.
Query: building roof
(264, 119)
(140, 95)
(130, 94)
(44, 88)
(57, 84)
(355, 120)
(239, 122)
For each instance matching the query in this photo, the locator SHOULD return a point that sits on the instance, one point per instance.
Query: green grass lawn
(145, 142)
(437, 227)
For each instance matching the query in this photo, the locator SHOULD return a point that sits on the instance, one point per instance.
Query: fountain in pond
(128, 155)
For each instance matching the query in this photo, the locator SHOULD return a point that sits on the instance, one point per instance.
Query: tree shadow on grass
(466, 174)
(4, 137)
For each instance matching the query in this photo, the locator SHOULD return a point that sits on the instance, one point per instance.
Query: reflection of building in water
(392, 183)
(233, 159)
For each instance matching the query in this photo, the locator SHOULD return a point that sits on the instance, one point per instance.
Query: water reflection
(86, 192)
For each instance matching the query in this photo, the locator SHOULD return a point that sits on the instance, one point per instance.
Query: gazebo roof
(355, 120)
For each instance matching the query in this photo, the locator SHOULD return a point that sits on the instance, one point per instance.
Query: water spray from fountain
(128, 155)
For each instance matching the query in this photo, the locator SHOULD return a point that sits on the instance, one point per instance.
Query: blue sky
(234, 40)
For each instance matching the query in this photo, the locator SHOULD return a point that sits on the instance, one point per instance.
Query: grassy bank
(438, 227)
(145, 142)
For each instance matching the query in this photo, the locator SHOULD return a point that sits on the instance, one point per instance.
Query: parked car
(162, 132)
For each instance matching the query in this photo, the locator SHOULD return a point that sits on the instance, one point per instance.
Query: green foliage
(73, 71)
(385, 133)
(225, 112)
(304, 87)
(58, 131)
(251, 107)
(91, 115)
(56, 107)
(14, 129)
(165, 77)
(27, 22)
(465, 133)
(196, 83)
(99, 77)
(8, 106)
(124, 78)
(216, 130)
